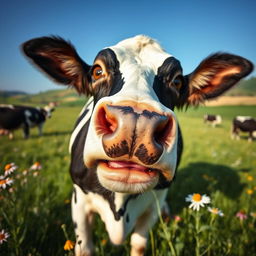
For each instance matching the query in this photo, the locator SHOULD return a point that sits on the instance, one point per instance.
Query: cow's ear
(59, 59)
(215, 75)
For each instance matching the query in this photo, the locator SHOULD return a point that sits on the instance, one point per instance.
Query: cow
(127, 143)
(13, 117)
(243, 124)
(213, 119)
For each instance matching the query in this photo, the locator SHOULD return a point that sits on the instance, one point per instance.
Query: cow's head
(132, 140)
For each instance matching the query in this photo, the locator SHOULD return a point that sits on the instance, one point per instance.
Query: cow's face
(47, 111)
(132, 138)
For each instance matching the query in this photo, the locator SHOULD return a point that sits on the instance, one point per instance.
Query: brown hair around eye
(177, 82)
(97, 72)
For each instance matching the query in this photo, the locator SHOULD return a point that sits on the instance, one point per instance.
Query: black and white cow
(127, 144)
(213, 119)
(13, 117)
(243, 124)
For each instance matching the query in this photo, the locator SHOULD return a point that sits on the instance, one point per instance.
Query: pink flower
(177, 218)
(241, 215)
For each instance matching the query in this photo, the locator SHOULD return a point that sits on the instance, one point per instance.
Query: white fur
(142, 210)
(243, 118)
(89, 106)
(139, 59)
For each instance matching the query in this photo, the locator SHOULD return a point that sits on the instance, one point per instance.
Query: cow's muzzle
(134, 134)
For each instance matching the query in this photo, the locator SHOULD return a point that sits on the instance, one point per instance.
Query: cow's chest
(125, 212)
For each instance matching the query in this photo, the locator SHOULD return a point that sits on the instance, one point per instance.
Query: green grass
(212, 164)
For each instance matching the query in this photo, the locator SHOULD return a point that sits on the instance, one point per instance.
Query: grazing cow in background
(127, 143)
(243, 124)
(213, 119)
(13, 117)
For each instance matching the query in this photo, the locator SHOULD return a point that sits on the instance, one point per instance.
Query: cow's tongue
(127, 165)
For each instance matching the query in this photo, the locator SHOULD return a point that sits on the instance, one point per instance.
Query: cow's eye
(97, 72)
(177, 82)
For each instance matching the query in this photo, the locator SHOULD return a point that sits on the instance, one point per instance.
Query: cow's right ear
(59, 59)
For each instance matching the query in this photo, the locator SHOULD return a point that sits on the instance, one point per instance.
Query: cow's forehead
(140, 51)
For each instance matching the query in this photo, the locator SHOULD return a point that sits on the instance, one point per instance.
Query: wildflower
(177, 218)
(104, 241)
(36, 166)
(215, 211)
(253, 214)
(241, 215)
(67, 201)
(11, 190)
(35, 174)
(249, 191)
(25, 172)
(10, 168)
(3, 236)
(5, 182)
(250, 178)
(197, 201)
(69, 245)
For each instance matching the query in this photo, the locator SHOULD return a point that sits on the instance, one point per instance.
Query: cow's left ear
(215, 75)
(58, 59)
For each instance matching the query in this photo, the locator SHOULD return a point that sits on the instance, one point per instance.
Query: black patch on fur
(122, 211)
(167, 94)
(114, 83)
(127, 218)
(75, 224)
(81, 117)
(75, 195)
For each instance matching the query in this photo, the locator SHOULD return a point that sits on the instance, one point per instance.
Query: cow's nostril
(106, 123)
(163, 131)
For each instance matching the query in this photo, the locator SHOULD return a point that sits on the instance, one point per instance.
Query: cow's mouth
(125, 176)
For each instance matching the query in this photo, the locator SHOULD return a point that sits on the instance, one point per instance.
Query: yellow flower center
(249, 178)
(2, 182)
(197, 197)
(7, 167)
(249, 191)
(69, 245)
(215, 210)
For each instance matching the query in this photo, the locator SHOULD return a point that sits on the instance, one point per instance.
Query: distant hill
(69, 97)
(244, 88)
(11, 93)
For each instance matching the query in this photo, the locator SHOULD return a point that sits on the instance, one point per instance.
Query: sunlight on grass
(35, 192)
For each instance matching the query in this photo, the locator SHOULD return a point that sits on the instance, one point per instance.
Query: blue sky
(189, 30)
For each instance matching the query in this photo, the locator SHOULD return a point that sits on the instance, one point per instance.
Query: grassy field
(36, 205)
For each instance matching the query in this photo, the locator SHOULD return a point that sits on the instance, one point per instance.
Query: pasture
(35, 206)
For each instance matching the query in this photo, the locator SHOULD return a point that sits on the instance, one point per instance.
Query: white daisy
(5, 182)
(215, 211)
(36, 166)
(3, 236)
(10, 168)
(197, 201)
